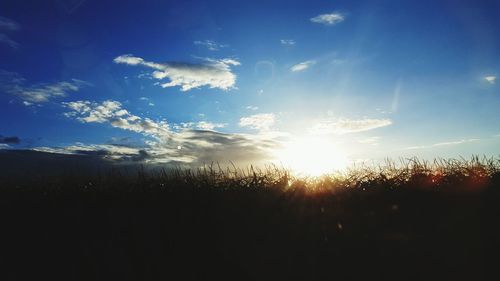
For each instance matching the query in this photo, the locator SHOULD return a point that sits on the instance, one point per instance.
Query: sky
(310, 85)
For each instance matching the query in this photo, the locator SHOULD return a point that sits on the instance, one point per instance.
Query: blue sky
(198, 81)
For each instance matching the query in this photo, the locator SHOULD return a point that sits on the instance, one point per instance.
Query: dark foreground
(166, 228)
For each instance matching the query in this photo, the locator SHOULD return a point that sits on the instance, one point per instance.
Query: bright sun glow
(312, 156)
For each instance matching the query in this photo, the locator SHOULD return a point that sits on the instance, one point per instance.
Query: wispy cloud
(251, 107)
(329, 19)
(443, 144)
(8, 25)
(302, 66)
(287, 42)
(44, 92)
(261, 122)
(6, 40)
(145, 99)
(15, 84)
(345, 126)
(490, 79)
(210, 45)
(211, 72)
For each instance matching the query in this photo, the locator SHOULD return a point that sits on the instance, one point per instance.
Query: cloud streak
(443, 144)
(103, 151)
(212, 73)
(251, 107)
(302, 66)
(347, 126)
(45, 92)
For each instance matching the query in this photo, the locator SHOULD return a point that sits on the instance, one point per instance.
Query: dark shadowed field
(416, 221)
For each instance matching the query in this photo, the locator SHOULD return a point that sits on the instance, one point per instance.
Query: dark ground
(184, 232)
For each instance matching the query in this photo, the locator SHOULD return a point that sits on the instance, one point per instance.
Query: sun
(311, 156)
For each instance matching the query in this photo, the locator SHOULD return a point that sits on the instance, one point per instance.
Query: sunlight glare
(312, 156)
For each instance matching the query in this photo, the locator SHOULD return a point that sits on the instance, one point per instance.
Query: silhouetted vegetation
(403, 220)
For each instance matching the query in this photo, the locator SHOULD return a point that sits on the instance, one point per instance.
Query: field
(404, 220)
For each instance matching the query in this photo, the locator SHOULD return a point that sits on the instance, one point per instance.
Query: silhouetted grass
(474, 174)
(402, 220)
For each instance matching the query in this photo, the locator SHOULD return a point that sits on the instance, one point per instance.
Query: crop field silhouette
(403, 220)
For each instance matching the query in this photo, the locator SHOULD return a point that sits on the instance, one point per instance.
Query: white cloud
(4, 146)
(15, 84)
(287, 42)
(112, 112)
(302, 66)
(329, 19)
(186, 146)
(490, 79)
(443, 144)
(345, 126)
(204, 125)
(210, 45)
(261, 122)
(131, 60)
(212, 73)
